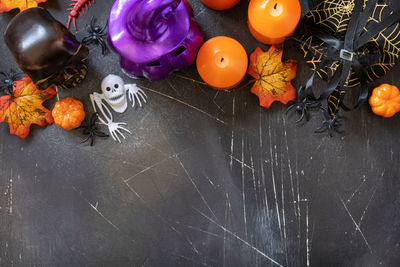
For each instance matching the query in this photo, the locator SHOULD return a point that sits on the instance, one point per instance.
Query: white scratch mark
(196, 188)
(96, 210)
(209, 180)
(357, 189)
(319, 146)
(161, 217)
(298, 206)
(284, 214)
(186, 104)
(254, 181)
(366, 208)
(290, 167)
(356, 225)
(273, 181)
(199, 13)
(233, 132)
(243, 193)
(241, 163)
(240, 239)
(190, 79)
(307, 237)
(173, 87)
(200, 230)
(218, 106)
(225, 223)
(312, 236)
(391, 153)
(10, 196)
(155, 164)
(9, 192)
(229, 204)
(298, 192)
(266, 210)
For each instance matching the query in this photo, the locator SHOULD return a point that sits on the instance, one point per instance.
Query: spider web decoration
(333, 16)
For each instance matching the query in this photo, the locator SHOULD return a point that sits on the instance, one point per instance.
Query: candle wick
(276, 5)
(222, 59)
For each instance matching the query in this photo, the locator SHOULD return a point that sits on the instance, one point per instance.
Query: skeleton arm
(106, 118)
(135, 94)
(103, 110)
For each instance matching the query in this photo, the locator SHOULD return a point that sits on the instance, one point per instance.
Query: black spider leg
(92, 130)
(330, 123)
(7, 84)
(103, 44)
(91, 24)
(303, 104)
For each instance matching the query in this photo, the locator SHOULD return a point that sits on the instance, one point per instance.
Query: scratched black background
(207, 178)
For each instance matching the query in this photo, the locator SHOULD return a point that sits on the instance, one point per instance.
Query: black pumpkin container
(46, 50)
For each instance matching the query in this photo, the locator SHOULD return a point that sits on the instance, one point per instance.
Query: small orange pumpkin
(68, 113)
(385, 100)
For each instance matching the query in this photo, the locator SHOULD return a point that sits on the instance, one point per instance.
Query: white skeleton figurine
(114, 94)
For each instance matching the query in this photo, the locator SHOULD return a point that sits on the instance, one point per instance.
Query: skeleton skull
(114, 92)
(45, 50)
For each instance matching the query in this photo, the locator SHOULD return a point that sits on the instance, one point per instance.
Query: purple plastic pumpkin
(154, 38)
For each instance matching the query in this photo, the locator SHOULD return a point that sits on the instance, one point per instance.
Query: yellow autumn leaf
(7, 5)
(24, 107)
(273, 77)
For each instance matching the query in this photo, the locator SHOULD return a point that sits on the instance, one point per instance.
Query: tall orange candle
(272, 21)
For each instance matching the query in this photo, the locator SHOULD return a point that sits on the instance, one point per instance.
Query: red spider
(78, 8)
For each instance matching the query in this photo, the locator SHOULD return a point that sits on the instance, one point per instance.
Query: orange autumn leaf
(272, 76)
(24, 107)
(7, 5)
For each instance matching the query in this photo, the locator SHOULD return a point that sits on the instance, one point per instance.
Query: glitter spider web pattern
(333, 16)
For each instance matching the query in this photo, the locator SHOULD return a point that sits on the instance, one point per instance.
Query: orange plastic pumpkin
(385, 100)
(68, 113)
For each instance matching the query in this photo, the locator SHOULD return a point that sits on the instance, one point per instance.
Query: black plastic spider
(302, 105)
(330, 124)
(96, 36)
(7, 81)
(92, 130)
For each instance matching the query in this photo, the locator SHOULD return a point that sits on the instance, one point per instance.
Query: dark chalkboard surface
(206, 179)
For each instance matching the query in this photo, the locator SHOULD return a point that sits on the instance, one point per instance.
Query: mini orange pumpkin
(68, 113)
(385, 100)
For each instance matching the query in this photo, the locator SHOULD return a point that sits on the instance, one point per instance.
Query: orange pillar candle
(272, 21)
(222, 62)
(220, 4)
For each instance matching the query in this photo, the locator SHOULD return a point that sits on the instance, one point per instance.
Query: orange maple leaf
(24, 107)
(7, 5)
(272, 76)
